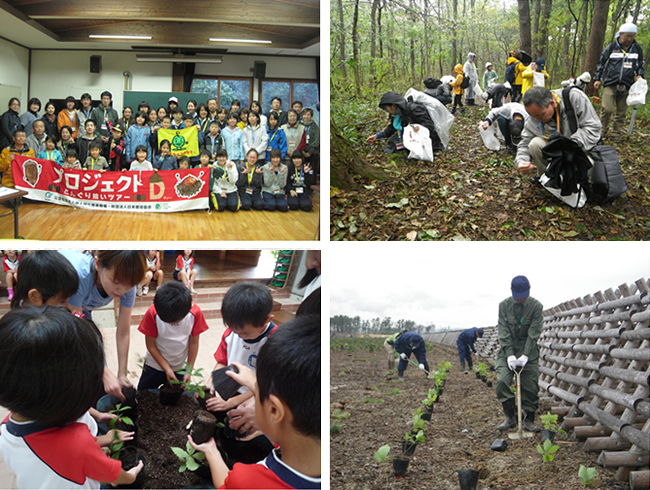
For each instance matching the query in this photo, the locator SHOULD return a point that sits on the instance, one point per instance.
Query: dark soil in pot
(478, 375)
(169, 395)
(547, 434)
(408, 448)
(130, 457)
(203, 426)
(468, 479)
(426, 416)
(484, 379)
(247, 452)
(400, 466)
(489, 384)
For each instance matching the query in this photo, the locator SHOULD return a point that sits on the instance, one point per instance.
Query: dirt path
(459, 435)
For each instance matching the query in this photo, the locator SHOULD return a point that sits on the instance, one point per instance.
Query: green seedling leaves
(547, 450)
(587, 475)
(382, 453)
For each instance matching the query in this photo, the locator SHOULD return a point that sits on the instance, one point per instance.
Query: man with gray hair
(548, 117)
(620, 65)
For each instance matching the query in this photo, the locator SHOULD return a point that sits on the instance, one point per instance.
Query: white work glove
(521, 362)
(403, 356)
(512, 363)
(421, 366)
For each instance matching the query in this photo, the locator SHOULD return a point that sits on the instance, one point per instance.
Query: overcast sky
(460, 284)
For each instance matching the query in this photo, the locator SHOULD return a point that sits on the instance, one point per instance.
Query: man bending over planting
(464, 343)
(407, 343)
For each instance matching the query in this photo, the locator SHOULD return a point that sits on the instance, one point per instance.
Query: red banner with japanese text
(136, 191)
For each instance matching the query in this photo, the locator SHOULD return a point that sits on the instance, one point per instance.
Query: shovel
(418, 366)
(520, 434)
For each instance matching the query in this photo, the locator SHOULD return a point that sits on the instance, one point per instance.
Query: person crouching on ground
(402, 113)
(407, 343)
(464, 343)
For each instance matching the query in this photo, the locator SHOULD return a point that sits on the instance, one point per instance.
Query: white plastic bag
(418, 142)
(637, 93)
(575, 200)
(478, 95)
(489, 139)
(538, 79)
(442, 118)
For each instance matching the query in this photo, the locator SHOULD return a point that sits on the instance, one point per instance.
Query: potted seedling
(400, 465)
(411, 441)
(120, 422)
(203, 426)
(482, 371)
(547, 450)
(550, 426)
(192, 460)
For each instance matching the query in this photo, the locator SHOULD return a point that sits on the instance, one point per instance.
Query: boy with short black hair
(171, 326)
(84, 113)
(246, 311)
(83, 143)
(188, 122)
(177, 116)
(276, 106)
(184, 163)
(71, 159)
(213, 140)
(287, 408)
(95, 161)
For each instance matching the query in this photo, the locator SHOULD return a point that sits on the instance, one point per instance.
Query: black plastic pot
(478, 375)
(547, 434)
(499, 445)
(400, 466)
(489, 384)
(484, 379)
(224, 384)
(247, 452)
(130, 456)
(468, 479)
(203, 426)
(429, 408)
(130, 401)
(408, 449)
(169, 395)
(426, 416)
(440, 390)
(204, 471)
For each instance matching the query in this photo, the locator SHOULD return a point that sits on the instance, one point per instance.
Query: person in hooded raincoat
(458, 90)
(469, 68)
(402, 113)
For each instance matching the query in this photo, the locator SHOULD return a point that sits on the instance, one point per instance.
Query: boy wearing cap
(620, 65)
(490, 76)
(520, 325)
(172, 104)
(528, 75)
(510, 118)
(464, 343)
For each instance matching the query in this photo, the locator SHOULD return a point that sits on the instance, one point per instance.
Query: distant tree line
(386, 325)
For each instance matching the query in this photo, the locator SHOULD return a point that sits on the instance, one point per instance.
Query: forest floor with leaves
(472, 193)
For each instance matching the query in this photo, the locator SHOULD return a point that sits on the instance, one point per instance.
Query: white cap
(585, 77)
(629, 27)
(173, 99)
(487, 64)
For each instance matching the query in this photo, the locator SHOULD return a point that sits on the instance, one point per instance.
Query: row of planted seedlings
(422, 415)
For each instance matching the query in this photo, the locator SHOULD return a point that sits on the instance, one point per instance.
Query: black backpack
(510, 73)
(607, 182)
(465, 83)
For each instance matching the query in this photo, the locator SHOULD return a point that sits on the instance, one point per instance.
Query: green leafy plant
(338, 414)
(335, 428)
(482, 369)
(116, 445)
(587, 475)
(547, 450)
(381, 454)
(189, 457)
(550, 423)
(192, 386)
(412, 438)
(418, 423)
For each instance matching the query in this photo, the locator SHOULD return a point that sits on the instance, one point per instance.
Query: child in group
(188, 122)
(235, 105)
(136, 136)
(184, 271)
(202, 118)
(287, 408)
(256, 107)
(249, 183)
(246, 311)
(243, 118)
(204, 158)
(191, 108)
(154, 272)
(177, 118)
(162, 112)
(127, 120)
(222, 117)
(68, 117)
(89, 137)
(233, 139)
(141, 162)
(224, 189)
(275, 182)
(95, 161)
(255, 136)
(45, 411)
(153, 138)
(301, 178)
(213, 140)
(152, 118)
(71, 160)
(458, 90)
(50, 120)
(117, 144)
(295, 134)
(277, 137)
(171, 326)
(50, 152)
(10, 265)
(184, 163)
(66, 141)
(165, 160)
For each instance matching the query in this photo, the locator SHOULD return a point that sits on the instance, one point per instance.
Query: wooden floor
(41, 221)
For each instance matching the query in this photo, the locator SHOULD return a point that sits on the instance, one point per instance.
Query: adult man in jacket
(105, 118)
(547, 119)
(519, 327)
(465, 342)
(620, 65)
(407, 343)
(402, 113)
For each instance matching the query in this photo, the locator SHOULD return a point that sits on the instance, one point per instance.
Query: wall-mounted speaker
(259, 69)
(95, 64)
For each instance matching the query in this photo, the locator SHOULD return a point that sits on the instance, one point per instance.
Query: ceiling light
(179, 58)
(107, 36)
(218, 39)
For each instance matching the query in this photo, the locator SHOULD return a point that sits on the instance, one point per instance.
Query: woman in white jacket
(224, 189)
(255, 137)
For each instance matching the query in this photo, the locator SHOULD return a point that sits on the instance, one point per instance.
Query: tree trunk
(637, 9)
(565, 48)
(345, 163)
(373, 39)
(454, 34)
(342, 39)
(381, 40)
(545, 15)
(355, 47)
(525, 41)
(537, 7)
(596, 38)
(425, 54)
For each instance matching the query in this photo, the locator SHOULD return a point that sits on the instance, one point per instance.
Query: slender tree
(342, 39)
(525, 42)
(596, 38)
(355, 47)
